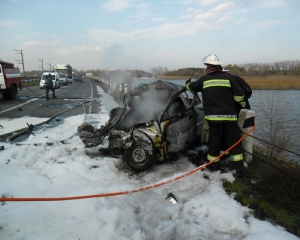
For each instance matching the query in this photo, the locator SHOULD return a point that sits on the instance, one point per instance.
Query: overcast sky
(141, 34)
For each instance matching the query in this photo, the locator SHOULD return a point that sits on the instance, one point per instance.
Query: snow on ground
(63, 169)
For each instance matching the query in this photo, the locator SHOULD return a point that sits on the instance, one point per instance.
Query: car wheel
(139, 158)
(116, 152)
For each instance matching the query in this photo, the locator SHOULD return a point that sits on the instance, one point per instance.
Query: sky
(35, 168)
(142, 34)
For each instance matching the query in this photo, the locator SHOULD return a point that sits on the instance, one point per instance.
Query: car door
(181, 125)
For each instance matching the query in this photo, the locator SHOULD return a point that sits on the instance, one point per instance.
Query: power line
(275, 145)
(42, 66)
(50, 66)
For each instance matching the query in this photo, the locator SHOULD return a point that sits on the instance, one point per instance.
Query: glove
(205, 132)
(188, 81)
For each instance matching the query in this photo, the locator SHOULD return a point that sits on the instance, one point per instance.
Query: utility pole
(41, 60)
(19, 51)
(50, 66)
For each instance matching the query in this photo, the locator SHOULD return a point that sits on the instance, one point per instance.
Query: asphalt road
(31, 101)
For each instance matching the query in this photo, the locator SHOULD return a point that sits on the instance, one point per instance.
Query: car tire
(11, 94)
(138, 158)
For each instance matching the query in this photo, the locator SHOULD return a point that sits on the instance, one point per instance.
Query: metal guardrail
(33, 79)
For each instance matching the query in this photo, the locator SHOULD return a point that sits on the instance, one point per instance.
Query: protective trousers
(231, 132)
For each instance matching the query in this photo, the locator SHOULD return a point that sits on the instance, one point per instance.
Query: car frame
(176, 125)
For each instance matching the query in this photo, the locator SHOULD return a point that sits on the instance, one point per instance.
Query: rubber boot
(239, 168)
(215, 166)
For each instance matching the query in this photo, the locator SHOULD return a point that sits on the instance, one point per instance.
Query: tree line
(291, 68)
(107, 74)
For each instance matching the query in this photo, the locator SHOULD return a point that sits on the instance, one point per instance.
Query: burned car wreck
(157, 121)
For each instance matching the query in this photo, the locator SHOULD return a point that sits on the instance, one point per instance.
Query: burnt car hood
(142, 104)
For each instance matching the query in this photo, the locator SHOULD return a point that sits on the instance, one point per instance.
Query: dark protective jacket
(48, 82)
(220, 93)
(246, 88)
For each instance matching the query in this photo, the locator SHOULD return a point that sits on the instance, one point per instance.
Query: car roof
(167, 89)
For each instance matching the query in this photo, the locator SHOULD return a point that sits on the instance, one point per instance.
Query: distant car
(156, 122)
(55, 79)
(70, 80)
(63, 78)
(78, 78)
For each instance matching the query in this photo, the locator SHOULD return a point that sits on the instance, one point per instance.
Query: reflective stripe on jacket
(220, 93)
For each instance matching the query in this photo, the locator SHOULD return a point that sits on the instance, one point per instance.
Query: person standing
(49, 86)
(220, 93)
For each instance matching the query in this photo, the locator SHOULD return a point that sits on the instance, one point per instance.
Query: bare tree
(158, 71)
(273, 123)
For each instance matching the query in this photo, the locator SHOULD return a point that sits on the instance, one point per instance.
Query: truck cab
(10, 80)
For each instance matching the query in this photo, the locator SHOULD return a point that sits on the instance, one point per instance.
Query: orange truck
(10, 80)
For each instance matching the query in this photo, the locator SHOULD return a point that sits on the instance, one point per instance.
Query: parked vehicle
(78, 78)
(65, 72)
(10, 80)
(156, 122)
(70, 80)
(55, 79)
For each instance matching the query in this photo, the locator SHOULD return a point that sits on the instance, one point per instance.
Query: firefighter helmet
(211, 59)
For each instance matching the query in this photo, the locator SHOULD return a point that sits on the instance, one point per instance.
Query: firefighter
(220, 93)
(49, 86)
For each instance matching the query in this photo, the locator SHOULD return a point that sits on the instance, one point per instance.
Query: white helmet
(211, 59)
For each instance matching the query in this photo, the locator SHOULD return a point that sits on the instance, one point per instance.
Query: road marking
(90, 107)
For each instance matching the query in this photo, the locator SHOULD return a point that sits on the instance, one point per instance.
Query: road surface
(31, 101)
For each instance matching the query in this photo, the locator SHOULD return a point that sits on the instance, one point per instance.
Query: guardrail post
(245, 123)
(121, 86)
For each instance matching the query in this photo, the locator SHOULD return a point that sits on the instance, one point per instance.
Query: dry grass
(274, 82)
(270, 82)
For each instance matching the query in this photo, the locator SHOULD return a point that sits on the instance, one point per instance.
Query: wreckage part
(90, 136)
(115, 146)
(139, 158)
(151, 136)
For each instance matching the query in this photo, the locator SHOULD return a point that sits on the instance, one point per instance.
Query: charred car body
(157, 120)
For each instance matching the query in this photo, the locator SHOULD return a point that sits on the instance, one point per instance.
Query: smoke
(145, 103)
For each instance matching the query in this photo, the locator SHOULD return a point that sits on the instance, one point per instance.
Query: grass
(28, 84)
(262, 83)
(270, 193)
